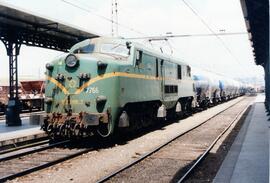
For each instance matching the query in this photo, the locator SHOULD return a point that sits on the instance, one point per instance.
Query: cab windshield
(85, 49)
(115, 49)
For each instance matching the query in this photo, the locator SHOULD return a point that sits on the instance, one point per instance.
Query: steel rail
(42, 166)
(113, 174)
(203, 156)
(20, 147)
(34, 150)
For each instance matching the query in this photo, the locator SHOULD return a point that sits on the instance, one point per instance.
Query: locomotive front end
(82, 90)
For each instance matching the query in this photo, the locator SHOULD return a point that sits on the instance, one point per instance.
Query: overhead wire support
(114, 18)
(102, 17)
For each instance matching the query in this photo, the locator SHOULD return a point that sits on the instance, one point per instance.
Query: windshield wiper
(115, 46)
(112, 55)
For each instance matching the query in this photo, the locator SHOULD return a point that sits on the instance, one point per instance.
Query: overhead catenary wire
(103, 17)
(193, 62)
(87, 9)
(213, 32)
(84, 8)
(188, 35)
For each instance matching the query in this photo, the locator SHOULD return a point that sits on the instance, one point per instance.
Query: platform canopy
(35, 30)
(256, 14)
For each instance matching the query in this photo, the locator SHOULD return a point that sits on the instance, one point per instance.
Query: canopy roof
(30, 29)
(256, 14)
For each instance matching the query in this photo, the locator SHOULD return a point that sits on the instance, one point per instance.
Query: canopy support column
(14, 105)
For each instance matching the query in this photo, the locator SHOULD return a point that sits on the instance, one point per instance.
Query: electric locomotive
(104, 84)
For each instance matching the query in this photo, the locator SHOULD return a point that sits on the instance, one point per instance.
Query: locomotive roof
(135, 44)
(158, 54)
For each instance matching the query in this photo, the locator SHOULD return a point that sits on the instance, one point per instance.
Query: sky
(230, 55)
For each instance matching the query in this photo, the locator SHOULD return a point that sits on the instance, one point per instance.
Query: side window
(156, 67)
(179, 72)
(138, 57)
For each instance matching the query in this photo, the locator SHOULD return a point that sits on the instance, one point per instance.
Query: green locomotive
(104, 84)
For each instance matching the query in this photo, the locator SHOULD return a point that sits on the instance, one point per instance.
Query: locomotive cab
(82, 87)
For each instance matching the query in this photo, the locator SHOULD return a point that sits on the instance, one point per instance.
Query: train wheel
(77, 130)
(49, 128)
(51, 131)
(67, 131)
(62, 130)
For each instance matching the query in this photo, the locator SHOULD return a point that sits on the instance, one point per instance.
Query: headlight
(71, 61)
(101, 65)
(48, 100)
(49, 66)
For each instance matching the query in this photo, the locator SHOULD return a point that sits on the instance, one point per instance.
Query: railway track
(25, 145)
(30, 160)
(125, 173)
(19, 162)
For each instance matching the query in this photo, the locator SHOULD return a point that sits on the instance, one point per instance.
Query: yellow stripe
(115, 74)
(59, 85)
(105, 76)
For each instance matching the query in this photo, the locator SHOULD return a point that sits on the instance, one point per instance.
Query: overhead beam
(256, 14)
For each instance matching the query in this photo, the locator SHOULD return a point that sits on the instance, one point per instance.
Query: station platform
(248, 159)
(15, 134)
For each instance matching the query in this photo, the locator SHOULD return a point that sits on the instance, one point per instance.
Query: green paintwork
(129, 87)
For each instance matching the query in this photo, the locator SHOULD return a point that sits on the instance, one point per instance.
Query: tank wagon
(229, 88)
(212, 88)
(104, 84)
(208, 90)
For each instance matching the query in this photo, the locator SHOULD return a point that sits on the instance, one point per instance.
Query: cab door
(162, 76)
